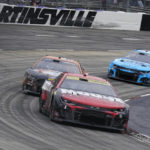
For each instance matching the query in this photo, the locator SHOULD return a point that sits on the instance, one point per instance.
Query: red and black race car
(48, 67)
(83, 99)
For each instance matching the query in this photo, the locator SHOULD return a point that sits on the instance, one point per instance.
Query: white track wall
(117, 20)
(22, 15)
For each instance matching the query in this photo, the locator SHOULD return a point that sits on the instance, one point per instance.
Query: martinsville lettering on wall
(48, 16)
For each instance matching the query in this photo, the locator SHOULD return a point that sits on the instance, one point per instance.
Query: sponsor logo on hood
(98, 96)
(48, 72)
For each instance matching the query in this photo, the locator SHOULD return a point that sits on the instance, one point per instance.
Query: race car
(85, 100)
(134, 67)
(48, 67)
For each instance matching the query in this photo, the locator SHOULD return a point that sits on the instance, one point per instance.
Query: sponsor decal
(47, 86)
(88, 80)
(99, 96)
(72, 78)
(48, 72)
(46, 16)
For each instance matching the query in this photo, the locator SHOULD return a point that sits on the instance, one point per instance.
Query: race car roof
(143, 51)
(86, 77)
(59, 59)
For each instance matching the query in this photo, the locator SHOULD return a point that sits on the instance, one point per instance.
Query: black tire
(40, 106)
(125, 129)
(51, 111)
(24, 88)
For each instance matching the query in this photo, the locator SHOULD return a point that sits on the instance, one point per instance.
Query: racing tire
(125, 128)
(24, 89)
(40, 106)
(51, 117)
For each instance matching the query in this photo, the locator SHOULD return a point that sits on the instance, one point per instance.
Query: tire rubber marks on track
(139, 136)
(25, 133)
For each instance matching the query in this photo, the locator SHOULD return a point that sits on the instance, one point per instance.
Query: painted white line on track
(137, 97)
(46, 49)
(42, 35)
(131, 39)
(145, 95)
(68, 50)
(72, 36)
(113, 50)
(126, 100)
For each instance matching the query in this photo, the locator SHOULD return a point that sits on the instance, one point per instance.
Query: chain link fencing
(113, 5)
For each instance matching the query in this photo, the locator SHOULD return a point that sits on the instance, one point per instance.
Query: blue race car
(134, 67)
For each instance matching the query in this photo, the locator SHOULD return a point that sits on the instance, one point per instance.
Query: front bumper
(129, 75)
(94, 118)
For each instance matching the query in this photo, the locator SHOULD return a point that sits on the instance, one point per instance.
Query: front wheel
(40, 106)
(51, 111)
(125, 128)
(24, 88)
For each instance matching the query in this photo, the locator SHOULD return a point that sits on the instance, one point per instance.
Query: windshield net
(137, 56)
(88, 85)
(62, 66)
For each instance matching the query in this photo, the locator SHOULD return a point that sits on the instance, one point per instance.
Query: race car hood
(92, 99)
(43, 74)
(132, 64)
(48, 72)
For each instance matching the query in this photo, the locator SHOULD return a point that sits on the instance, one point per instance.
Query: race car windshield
(138, 57)
(90, 86)
(62, 66)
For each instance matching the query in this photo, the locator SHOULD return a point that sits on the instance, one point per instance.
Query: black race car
(48, 67)
(83, 99)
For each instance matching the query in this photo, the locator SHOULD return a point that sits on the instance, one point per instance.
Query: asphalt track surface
(21, 125)
(140, 112)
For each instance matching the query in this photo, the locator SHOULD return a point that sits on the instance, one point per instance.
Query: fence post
(64, 3)
(127, 5)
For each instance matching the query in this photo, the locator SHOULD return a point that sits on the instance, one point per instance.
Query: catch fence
(112, 5)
